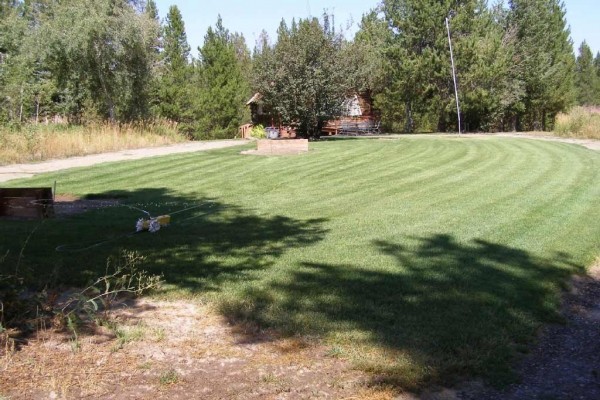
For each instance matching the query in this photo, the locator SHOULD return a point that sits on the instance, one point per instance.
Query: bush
(23, 308)
(580, 122)
(37, 142)
(258, 132)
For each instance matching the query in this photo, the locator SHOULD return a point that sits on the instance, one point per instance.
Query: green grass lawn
(423, 260)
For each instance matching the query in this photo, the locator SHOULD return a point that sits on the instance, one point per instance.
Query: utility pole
(453, 73)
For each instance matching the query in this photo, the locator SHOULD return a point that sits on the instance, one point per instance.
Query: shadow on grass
(207, 244)
(443, 312)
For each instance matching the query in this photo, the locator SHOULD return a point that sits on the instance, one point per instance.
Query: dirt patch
(178, 350)
(565, 363)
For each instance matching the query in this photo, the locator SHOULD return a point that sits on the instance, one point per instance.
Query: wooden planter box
(282, 146)
(26, 203)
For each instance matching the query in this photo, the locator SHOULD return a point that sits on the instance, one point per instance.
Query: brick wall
(291, 146)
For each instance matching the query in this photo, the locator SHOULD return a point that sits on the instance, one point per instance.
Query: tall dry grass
(580, 122)
(42, 142)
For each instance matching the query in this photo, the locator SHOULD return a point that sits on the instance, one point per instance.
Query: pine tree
(413, 59)
(363, 58)
(176, 47)
(152, 10)
(546, 53)
(587, 79)
(223, 83)
(173, 97)
(156, 64)
(421, 90)
(487, 67)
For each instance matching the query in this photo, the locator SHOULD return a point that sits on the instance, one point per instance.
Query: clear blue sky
(584, 18)
(251, 17)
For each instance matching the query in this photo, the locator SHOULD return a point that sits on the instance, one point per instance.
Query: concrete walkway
(15, 171)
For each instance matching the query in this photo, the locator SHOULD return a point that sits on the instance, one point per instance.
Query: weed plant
(23, 307)
(170, 377)
(37, 142)
(580, 122)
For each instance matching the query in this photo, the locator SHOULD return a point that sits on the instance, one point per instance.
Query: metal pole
(453, 74)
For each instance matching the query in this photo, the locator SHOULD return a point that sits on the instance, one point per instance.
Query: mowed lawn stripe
(540, 204)
(370, 178)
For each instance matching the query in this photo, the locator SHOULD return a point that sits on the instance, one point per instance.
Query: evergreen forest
(117, 61)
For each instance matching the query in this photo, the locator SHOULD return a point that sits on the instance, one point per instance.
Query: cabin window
(351, 107)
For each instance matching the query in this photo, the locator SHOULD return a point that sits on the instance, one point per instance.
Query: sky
(251, 17)
(583, 16)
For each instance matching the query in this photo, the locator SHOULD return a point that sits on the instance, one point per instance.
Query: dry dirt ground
(176, 350)
(183, 350)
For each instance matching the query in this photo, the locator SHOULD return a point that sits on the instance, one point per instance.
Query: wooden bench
(364, 126)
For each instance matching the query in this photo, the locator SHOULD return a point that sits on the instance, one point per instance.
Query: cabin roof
(257, 96)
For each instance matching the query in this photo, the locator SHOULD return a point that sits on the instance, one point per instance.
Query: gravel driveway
(14, 171)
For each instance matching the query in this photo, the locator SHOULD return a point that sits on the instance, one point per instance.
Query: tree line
(115, 60)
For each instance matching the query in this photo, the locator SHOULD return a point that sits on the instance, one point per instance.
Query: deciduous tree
(99, 53)
(301, 77)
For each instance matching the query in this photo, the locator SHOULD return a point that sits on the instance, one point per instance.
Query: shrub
(36, 142)
(258, 132)
(24, 308)
(580, 122)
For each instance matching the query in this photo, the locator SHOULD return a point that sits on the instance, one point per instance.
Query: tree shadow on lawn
(207, 244)
(444, 312)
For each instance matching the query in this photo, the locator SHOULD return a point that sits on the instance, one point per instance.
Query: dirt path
(178, 350)
(15, 171)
